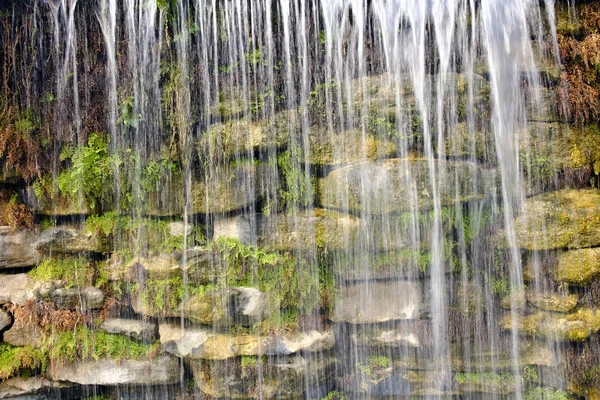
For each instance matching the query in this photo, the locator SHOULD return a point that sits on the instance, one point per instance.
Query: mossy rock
(577, 326)
(461, 142)
(563, 219)
(578, 267)
(55, 204)
(562, 303)
(223, 190)
(386, 187)
(262, 378)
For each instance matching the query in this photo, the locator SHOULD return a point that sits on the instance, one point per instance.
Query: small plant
(20, 360)
(335, 395)
(75, 271)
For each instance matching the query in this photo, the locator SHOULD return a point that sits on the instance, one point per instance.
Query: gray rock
(72, 298)
(16, 248)
(178, 228)
(22, 387)
(92, 298)
(240, 228)
(16, 288)
(67, 298)
(23, 333)
(68, 240)
(160, 371)
(372, 302)
(200, 343)
(137, 329)
(5, 319)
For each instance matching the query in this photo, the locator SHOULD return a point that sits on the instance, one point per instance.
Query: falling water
(305, 198)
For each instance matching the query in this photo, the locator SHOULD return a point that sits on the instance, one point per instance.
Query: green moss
(578, 267)
(335, 395)
(75, 271)
(20, 360)
(487, 379)
(299, 187)
(85, 344)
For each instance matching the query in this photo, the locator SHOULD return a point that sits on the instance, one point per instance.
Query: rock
(24, 333)
(160, 371)
(17, 387)
(72, 298)
(15, 289)
(385, 187)
(463, 143)
(241, 228)
(179, 228)
(5, 319)
(410, 334)
(243, 306)
(283, 377)
(563, 219)
(225, 190)
(366, 303)
(200, 343)
(577, 326)
(553, 301)
(69, 240)
(16, 248)
(56, 205)
(578, 267)
(137, 329)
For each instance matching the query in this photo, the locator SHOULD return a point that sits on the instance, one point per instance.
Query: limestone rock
(576, 326)
(69, 240)
(137, 329)
(385, 187)
(5, 319)
(563, 219)
(553, 301)
(16, 248)
(578, 267)
(200, 343)
(20, 388)
(373, 302)
(243, 306)
(15, 289)
(285, 377)
(241, 228)
(72, 298)
(23, 333)
(160, 371)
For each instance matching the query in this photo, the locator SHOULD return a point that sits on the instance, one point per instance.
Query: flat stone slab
(159, 371)
(372, 302)
(21, 388)
(200, 343)
(15, 289)
(136, 329)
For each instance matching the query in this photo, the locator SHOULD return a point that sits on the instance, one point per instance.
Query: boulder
(241, 228)
(162, 370)
(252, 378)
(402, 185)
(577, 326)
(373, 302)
(20, 388)
(15, 289)
(578, 267)
(72, 298)
(69, 240)
(200, 343)
(562, 219)
(16, 248)
(137, 329)
(5, 319)
(24, 333)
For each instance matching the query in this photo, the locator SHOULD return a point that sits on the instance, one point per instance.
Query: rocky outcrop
(201, 343)
(16, 248)
(284, 377)
(15, 289)
(69, 240)
(577, 326)
(20, 388)
(401, 185)
(563, 303)
(372, 302)
(137, 329)
(241, 228)
(24, 333)
(563, 219)
(159, 371)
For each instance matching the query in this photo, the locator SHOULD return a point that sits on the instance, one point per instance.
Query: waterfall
(329, 199)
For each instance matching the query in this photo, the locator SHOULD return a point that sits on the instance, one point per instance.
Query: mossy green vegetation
(492, 381)
(75, 271)
(540, 393)
(373, 365)
(20, 361)
(335, 395)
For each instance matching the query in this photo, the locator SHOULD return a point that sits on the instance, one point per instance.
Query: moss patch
(20, 361)
(577, 326)
(75, 271)
(578, 267)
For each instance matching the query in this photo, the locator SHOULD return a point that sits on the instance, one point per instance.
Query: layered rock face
(228, 210)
